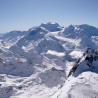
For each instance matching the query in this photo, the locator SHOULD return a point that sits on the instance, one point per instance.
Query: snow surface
(76, 54)
(35, 63)
(59, 54)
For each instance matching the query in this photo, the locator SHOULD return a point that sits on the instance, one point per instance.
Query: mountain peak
(50, 26)
(50, 23)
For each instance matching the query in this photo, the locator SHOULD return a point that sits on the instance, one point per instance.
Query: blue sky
(24, 14)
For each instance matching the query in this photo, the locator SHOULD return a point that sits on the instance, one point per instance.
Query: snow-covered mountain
(9, 39)
(35, 63)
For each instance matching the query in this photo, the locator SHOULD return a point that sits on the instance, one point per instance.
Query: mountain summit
(52, 27)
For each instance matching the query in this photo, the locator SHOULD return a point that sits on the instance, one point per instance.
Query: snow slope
(35, 63)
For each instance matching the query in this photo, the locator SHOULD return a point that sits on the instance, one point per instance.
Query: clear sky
(24, 14)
